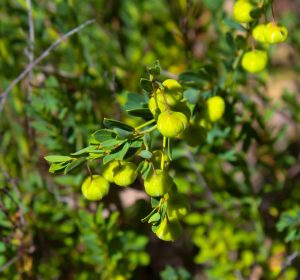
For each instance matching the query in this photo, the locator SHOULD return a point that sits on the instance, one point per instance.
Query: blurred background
(243, 182)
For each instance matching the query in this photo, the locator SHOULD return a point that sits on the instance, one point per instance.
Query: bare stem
(288, 262)
(153, 168)
(162, 163)
(31, 46)
(89, 170)
(9, 263)
(273, 12)
(165, 101)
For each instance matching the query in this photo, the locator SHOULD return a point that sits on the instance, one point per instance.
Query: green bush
(180, 95)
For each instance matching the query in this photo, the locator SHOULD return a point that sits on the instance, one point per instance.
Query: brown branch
(288, 262)
(9, 263)
(31, 46)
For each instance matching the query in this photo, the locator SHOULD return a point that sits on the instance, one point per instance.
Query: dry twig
(30, 66)
(31, 46)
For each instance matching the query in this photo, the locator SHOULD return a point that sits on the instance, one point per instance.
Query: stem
(265, 11)
(165, 101)
(90, 172)
(145, 124)
(153, 210)
(162, 162)
(272, 10)
(149, 215)
(148, 130)
(252, 45)
(156, 103)
(169, 149)
(31, 46)
(153, 168)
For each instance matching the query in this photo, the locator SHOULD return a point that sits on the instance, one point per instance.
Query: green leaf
(109, 123)
(228, 156)
(193, 218)
(291, 236)
(155, 201)
(214, 5)
(170, 273)
(123, 151)
(118, 154)
(109, 158)
(2, 247)
(93, 156)
(154, 227)
(134, 147)
(57, 166)
(163, 210)
(74, 164)
(84, 150)
(98, 217)
(134, 101)
(141, 166)
(112, 220)
(230, 41)
(136, 143)
(191, 95)
(154, 218)
(146, 171)
(155, 69)
(142, 113)
(96, 151)
(146, 85)
(145, 154)
(192, 77)
(57, 158)
(122, 134)
(211, 70)
(233, 24)
(110, 144)
(104, 135)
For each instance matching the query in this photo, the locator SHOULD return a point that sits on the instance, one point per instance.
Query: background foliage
(242, 183)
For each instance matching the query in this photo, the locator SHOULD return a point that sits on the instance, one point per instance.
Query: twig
(288, 262)
(31, 46)
(15, 187)
(30, 66)
(169, 74)
(9, 263)
(273, 12)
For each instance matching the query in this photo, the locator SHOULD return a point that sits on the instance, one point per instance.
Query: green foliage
(87, 105)
(169, 273)
(290, 221)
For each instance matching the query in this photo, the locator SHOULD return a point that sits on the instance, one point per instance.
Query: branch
(30, 66)
(9, 263)
(288, 262)
(31, 46)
